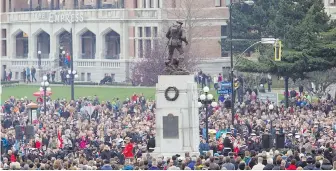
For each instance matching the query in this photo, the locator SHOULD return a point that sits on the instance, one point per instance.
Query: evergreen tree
(302, 28)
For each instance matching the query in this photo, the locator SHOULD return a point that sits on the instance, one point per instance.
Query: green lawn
(104, 93)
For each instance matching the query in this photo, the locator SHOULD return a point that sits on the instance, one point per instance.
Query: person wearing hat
(310, 165)
(175, 35)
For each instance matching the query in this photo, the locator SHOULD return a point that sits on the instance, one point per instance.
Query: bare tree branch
(146, 70)
(321, 79)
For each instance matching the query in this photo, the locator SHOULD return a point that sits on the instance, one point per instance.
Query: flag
(68, 57)
(66, 61)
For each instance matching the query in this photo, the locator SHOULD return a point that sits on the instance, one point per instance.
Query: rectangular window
(139, 31)
(148, 32)
(82, 76)
(155, 43)
(25, 48)
(173, 3)
(144, 4)
(10, 5)
(135, 48)
(76, 4)
(223, 50)
(3, 6)
(148, 47)
(224, 30)
(217, 3)
(88, 76)
(227, 2)
(158, 3)
(152, 3)
(57, 5)
(3, 34)
(16, 75)
(4, 48)
(135, 3)
(155, 30)
(332, 2)
(140, 48)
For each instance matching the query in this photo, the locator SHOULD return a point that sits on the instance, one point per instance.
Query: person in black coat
(227, 142)
(326, 165)
(151, 143)
(106, 153)
(301, 89)
(328, 154)
(257, 146)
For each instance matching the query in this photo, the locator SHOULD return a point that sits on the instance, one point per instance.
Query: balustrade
(80, 15)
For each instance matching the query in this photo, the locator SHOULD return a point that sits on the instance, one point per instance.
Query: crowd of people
(28, 75)
(90, 134)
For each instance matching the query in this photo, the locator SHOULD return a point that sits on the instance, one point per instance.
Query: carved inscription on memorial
(170, 127)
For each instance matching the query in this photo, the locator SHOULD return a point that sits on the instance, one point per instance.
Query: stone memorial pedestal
(177, 118)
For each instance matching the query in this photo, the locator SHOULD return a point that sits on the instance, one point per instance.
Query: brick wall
(206, 31)
(206, 48)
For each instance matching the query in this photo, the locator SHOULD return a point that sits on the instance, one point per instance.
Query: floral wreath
(171, 89)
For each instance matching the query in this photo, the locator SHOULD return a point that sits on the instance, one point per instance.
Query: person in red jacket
(128, 150)
(292, 166)
(11, 155)
(134, 98)
(38, 143)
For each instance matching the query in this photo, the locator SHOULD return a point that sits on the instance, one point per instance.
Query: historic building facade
(107, 35)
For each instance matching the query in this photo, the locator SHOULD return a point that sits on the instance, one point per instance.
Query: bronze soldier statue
(175, 35)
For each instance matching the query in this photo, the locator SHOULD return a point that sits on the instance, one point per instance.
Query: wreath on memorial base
(171, 89)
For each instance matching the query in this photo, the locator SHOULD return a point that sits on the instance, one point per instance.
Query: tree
(300, 25)
(305, 49)
(146, 70)
(194, 14)
(321, 79)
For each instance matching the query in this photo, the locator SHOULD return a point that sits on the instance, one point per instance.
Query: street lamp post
(45, 87)
(39, 58)
(249, 2)
(63, 58)
(72, 75)
(205, 100)
(61, 62)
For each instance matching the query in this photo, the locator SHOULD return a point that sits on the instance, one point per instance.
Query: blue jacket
(4, 142)
(28, 71)
(106, 167)
(128, 167)
(154, 168)
(203, 147)
(203, 132)
(191, 165)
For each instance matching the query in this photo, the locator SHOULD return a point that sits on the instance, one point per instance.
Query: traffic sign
(224, 91)
(273, 97)
(225, 88)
